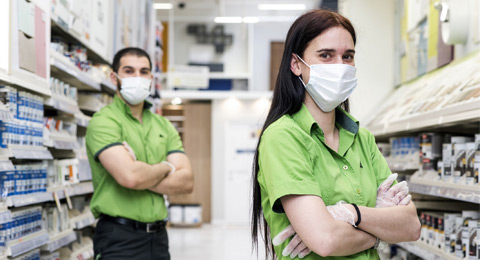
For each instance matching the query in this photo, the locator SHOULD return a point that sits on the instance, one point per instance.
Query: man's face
(133, 66)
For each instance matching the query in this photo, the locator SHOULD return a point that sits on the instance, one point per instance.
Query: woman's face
(333, 46)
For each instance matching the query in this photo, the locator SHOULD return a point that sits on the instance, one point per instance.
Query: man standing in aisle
(136, 157)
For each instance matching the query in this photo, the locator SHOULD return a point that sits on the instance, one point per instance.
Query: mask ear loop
(305, 65)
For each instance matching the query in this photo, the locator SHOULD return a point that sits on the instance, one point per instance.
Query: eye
(348, 57)
(325, 55)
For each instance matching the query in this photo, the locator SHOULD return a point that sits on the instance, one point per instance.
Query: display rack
(30, 152)
(27, 243)
(82, 221)
(82, 188)
(69, 73)
(62, 104)
(468, 193)
(427, 252)
(81, 119)
(63, 142)
(59, 240)
(210, 95)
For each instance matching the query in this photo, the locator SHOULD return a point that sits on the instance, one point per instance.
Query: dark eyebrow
(130, 67)
(333, 50)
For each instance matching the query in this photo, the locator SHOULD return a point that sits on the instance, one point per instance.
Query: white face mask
(330, 84)
(135, 89)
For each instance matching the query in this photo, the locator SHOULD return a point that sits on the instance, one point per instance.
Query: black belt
(147, 227)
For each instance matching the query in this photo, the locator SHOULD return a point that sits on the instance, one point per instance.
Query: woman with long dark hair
(317, 175)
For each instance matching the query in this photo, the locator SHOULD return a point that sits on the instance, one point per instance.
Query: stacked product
(25, 125)
(24, 179)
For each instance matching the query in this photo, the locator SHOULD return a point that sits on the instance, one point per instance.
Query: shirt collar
(123, 107)
(306, 122)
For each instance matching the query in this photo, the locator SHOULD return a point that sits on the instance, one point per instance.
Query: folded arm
(179, 182)
(130, 173)
(320, 231)
(393, 224)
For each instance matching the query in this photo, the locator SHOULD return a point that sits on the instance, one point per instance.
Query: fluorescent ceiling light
(228, 19)
(287, 7)
(250, 19)
(162, 6)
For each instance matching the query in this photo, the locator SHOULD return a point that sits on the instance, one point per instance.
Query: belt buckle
(152, 227)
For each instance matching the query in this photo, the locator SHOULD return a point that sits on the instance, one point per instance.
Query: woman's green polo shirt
(151, 141)
(294, 160)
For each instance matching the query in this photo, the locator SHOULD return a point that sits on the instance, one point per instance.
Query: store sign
(4, 30)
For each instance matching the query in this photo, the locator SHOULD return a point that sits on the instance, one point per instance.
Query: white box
(193, 214)
(447, 166)
(175, 214)
(458, 162)
(469, 163)
(449, 227)
(472, 240)
(459, 222)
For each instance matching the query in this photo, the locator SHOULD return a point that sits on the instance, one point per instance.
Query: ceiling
(206, 10)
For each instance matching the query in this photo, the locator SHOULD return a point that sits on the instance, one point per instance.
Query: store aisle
(212, 242)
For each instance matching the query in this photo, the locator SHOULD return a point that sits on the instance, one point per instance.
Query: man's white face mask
(134, 89)
(330, 84)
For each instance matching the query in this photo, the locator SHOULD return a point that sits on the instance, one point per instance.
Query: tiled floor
(212, 242)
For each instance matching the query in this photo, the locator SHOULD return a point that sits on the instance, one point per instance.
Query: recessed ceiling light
(287, 7)
(162, 6)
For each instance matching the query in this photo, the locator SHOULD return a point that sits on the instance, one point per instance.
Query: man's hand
(295, 247)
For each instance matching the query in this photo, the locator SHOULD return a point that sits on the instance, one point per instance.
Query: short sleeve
(174, 143)
(102, 133)
(380, 165)
(286, 166)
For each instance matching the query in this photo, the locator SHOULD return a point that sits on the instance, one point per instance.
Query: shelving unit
(82, 221)
(62, 67)
(468, 193)
(211, 95)
(22, 245)
(427, 252)
(59, 240)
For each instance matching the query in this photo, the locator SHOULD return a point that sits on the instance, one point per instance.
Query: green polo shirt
(295, 160)
(151, 141)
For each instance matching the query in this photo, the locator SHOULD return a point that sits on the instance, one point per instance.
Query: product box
(439, 169)
(458, 162)
(471, 238)
(424, 229)
(469, 163)
(459, 223)
(449, 227)
(439, 231)
(431, 150)
(447, 166)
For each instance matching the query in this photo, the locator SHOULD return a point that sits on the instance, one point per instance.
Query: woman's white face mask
(134, 89)
(330, 84)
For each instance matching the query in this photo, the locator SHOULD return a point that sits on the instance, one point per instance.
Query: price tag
(57, 201)
(69, 202)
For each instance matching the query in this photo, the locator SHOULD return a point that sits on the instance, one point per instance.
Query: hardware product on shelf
(23, 179)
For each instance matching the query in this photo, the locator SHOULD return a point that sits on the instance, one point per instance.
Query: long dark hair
(288, 96)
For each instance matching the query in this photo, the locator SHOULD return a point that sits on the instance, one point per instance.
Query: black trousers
(116, 241)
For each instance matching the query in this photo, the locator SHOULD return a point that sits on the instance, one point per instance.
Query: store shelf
(175, 118)
(427, 252)
(63, 104)
(30, 81)
(108, 86)
(57, 29)
(468, 193)
(64, 142)
(27, 243)
(30, 152)
(462, 112)
(59, 240)
(210, 95)
(29, 199)
(40, 197)
(81, 119)
(68, 72)
(85, 252)
(82, 221)
(402, 166)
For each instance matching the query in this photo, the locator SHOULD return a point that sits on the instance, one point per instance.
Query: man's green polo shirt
(294, 160)
(151, 141)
